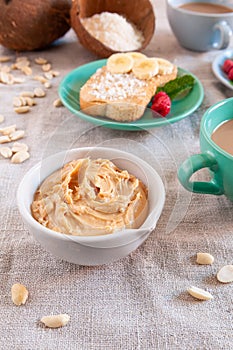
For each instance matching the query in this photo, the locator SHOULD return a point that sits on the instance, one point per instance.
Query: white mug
(199, 31)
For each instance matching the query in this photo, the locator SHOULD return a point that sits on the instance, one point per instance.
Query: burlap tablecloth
(139, 302)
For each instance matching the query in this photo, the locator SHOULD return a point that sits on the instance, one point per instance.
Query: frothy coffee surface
(223, 136)
(206, 7)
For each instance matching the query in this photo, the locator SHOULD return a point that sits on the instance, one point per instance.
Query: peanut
(199, 293)
(55, 321)
(18, 146)
(19, 294)
(6, 152)
(204, 259)
(21, 110)
(225, 274)
(20, 157)
(39, 92)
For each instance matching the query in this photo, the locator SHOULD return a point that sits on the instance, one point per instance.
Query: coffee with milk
(205, 7)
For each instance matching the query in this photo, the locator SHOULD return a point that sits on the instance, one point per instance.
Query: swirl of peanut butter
(90, 197)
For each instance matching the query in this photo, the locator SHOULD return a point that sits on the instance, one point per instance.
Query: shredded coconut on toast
(116, 86)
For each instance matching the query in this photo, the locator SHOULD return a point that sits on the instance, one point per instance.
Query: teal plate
(72, 83)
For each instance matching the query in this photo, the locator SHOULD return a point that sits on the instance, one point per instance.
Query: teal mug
(213, 157)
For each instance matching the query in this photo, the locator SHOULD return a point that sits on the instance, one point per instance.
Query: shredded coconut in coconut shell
(114, 31)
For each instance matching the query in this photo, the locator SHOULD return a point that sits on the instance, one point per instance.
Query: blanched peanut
(225, 274)
(55, 321)
(40, 61)
(39, 92)
(21, 110)
(27, 94)
(8, 129)
(18, 146)
(199, 293)
(19, 294)
(6, 152)
(20, 157)
(46, 67)
(4, 139)
(4, 59)
(58, 103)
(16, 135)
(204, 259)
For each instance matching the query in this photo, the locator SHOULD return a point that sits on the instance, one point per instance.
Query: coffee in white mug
(201, 25)
(206, 7)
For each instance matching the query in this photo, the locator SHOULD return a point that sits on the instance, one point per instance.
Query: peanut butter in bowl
(90, 197)
(92, 205)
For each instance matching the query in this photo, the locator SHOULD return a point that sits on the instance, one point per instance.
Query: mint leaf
(178, 87)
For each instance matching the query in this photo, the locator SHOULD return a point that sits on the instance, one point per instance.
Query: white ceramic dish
(217, 67)
(91, 250)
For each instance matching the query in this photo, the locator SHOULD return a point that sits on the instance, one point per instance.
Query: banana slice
(146, 69)
(137, 56)
(119, 63)
(165, 66)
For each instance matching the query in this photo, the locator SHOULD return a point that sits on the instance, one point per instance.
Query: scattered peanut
(55, 321)
(21, 64)
(199, 293)
(30, 101)
(46, 67)
(19, 294)
(57, 103)
(47, 85)
(27, 94)
(204, 259)
(225, 274)
(16, 135)
(39, 92)
(6, 152)
(55, 73)
(23, 101)
(26, 70)
(20, 157)
(5, 59)
(18, 146)
(23, 109)
(8, 129)
(40, 61)
(48, 75)
(4, 139)
(41, 79)
(21, 58)
(6, 78)
(17, 102)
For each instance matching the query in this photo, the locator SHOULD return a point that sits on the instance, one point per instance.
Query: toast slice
(121, 97)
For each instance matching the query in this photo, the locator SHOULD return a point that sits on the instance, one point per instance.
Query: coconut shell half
(138, 12)
(33, 24)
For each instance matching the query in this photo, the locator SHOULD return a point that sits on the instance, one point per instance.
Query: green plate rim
(140, 124)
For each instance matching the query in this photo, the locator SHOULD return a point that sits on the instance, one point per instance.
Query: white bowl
(91, 250)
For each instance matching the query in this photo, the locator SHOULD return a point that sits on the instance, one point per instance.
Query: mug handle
(225, 33)
(193, 164)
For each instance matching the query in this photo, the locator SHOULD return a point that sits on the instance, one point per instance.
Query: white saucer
(217, 68)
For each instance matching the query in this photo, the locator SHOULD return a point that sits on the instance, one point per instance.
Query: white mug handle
(225, 34)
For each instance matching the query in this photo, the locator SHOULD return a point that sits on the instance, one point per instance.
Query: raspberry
(161, 103)
(230, 74)
(227, 65)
